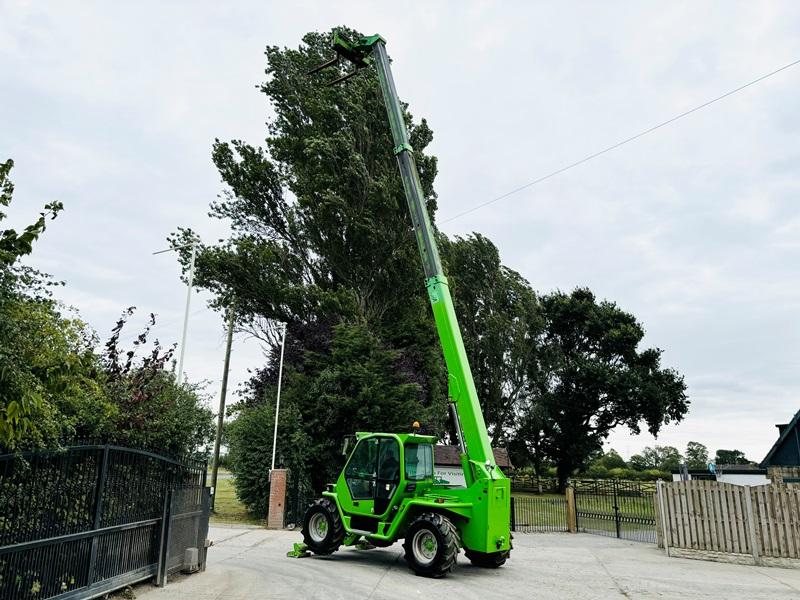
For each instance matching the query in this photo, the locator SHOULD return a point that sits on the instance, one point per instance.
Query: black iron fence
(612, 507)
(533, 484)
(299, 495)
(536, 514)
(82, 521)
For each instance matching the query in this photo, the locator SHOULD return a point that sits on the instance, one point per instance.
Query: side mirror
(347, 444)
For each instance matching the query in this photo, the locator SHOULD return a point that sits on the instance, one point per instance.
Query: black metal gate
(622, 509)
(299, 495)
(537, 514)
(186, 528)
(81, 522)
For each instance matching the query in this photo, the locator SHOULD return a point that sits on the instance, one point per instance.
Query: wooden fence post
(751, 524)
(572, 517)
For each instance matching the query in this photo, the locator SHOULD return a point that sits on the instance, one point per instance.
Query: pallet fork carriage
(386, 491)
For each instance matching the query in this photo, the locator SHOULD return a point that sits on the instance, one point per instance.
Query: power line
(621, 143)
(160, 324)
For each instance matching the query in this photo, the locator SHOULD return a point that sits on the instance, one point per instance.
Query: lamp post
(278, 402)
(190, 282)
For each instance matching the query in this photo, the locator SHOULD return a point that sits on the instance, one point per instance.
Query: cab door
(372, 475)
(388, 474)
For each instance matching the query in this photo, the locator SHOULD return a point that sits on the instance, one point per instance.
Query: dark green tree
(696, 455)
(662, 458)
(731, 457)
(321, 239)
(612, 460)
(594, 378)
(501, 325)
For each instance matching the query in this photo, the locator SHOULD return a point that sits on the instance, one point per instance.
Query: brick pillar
(277, 499)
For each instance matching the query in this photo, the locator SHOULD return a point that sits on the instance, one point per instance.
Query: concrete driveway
(251, 564)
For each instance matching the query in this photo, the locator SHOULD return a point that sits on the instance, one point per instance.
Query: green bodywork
(481, 510)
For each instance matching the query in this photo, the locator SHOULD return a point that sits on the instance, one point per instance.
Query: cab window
(419, 462)
(360, 471)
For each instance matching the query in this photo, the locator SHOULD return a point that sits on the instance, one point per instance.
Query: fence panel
(186, 527)
(722, 521)
(530, 514)
(777, 512)
(617, 508)
(298, 499)
(533, 484)
(82, 521)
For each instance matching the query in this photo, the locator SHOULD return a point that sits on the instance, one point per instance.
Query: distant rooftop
(786, 450)
(450, 456)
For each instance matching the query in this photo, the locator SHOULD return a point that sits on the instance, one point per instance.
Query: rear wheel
(490, 560)
(323, 532)
(431, 545)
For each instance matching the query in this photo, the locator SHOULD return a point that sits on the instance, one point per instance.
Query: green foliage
(612, 466)
(13, 244)
(250, 456)
(357, 384)
(322, 240)
(611, 460)
(731, 457)
(151, 409)
(696, 456)
(49, 388)
(42, 355)
(54, 387)
(500, 323)
(593, 378)
(663, 458)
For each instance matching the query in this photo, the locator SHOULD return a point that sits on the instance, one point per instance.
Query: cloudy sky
(112, 108)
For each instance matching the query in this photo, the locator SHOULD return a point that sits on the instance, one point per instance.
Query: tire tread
(449, 534)
(326, 546)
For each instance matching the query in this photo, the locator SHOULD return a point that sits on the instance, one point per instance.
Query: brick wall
(277, 499)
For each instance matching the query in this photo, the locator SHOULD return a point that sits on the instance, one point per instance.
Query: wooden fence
(731, 523)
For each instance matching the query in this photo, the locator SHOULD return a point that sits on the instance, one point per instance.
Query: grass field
(227, 508)
(548, 512)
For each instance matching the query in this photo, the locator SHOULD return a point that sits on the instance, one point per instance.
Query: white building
(751, 477)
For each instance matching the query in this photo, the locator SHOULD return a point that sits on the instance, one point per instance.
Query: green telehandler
(386, 491)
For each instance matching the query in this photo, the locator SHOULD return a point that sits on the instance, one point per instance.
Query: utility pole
(179, 374)
(221, 414)
(278, 402)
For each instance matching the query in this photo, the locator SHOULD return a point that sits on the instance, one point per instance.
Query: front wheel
(431, 545)
(489, 560)
(323, 532)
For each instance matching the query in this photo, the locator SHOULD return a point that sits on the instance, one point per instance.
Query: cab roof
(411, 438)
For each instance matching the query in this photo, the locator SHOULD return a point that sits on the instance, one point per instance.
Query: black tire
(490, 560)
(431, 545)
(323, 532)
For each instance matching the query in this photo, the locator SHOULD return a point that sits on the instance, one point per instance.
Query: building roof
(451, 456)
(727, 470)
(786, 451)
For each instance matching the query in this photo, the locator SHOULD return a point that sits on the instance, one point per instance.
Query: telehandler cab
(386, 491)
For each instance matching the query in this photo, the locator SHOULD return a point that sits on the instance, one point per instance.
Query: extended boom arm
(461, 387)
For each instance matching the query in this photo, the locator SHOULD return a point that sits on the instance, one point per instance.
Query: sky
(112, 109)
